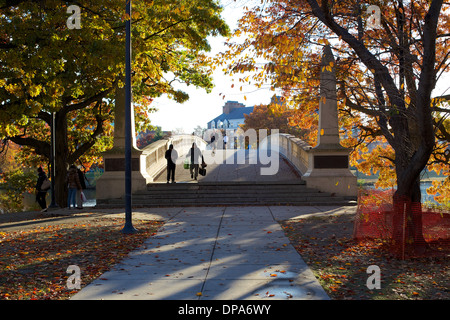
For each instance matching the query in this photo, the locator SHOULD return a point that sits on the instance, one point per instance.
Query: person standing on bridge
(225, 140)
(196, 156)
(213, 143)
(171, 157)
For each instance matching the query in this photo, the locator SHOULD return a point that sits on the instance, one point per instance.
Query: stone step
(248, 200)
(216, 191)
(118, 204)
(190, 186)
(229, 193)
(231, 190)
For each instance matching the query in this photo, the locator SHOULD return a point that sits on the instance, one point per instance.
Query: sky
(203, 107)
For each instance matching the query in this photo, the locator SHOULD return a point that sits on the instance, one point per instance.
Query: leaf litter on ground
(340, 263)
(33, 261)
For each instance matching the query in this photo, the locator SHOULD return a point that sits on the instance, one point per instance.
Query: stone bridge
(289, 173)
(282, 170)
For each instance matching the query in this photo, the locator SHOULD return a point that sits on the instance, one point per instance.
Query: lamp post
(128, 227)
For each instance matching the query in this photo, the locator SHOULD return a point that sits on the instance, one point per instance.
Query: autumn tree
(47, 68)
(275, 115)
(386, 69)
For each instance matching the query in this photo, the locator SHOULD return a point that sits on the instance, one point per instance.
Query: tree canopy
(275, 115)
(46, 68)
(386, 76)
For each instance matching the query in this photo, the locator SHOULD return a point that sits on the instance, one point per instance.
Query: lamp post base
(129, 229)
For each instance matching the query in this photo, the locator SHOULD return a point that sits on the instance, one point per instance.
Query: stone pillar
(328, 136)
(112, 183)
(328, 168)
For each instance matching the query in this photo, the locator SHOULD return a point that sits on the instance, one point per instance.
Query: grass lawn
(340, 263)
(33, 261)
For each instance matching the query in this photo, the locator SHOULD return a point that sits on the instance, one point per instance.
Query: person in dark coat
(213, 143)
(73, 184)
(171, 156)
(196, 157)
(40, 193)
(82, 179)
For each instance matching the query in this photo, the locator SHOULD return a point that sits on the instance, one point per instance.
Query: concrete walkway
(220, 253)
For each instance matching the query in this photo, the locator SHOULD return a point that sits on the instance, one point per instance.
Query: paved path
(237, 165)
(230, 253)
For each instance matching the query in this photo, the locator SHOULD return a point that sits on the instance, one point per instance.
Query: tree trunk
(62, 153)
(407, 221)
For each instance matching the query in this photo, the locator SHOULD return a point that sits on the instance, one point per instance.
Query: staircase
(229, 194)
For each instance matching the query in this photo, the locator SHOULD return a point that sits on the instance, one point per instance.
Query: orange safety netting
(404, 226)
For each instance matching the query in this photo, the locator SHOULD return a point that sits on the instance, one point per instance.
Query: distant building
(232, 116)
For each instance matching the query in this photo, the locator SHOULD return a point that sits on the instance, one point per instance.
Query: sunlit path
(229, 253)
(232, 168)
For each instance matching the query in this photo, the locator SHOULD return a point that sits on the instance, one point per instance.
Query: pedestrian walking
(171, 156)
(80, 193)
(196, 158)
(42, 186)
(73, 184)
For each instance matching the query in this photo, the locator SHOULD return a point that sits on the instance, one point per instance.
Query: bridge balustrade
(295, 150)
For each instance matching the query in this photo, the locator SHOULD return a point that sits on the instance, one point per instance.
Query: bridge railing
(295, 150)
(152, 159)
